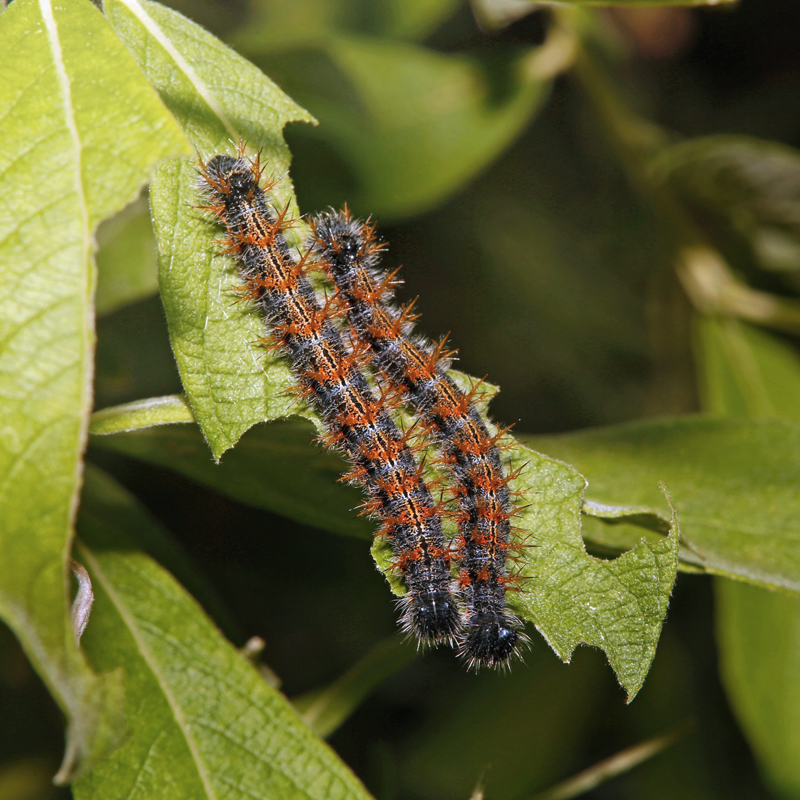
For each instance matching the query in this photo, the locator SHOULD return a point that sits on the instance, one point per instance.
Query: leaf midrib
(181, 63)
(152, 663)
(87, 369)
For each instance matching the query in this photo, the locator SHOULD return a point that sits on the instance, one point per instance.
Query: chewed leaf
(224, 370)
(231, 381)
(734, 482)
(571, 597)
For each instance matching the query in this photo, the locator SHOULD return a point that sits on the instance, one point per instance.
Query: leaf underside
(81, 131)
(203, 722)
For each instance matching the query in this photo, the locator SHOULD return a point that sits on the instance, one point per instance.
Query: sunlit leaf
(231, 381)
(81, 131)
(203, 723)
(218, 98)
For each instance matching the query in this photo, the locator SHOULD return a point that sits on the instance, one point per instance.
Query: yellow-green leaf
(81, 131)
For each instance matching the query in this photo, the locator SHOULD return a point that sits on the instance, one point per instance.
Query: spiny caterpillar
(329, 377)
(348, 251)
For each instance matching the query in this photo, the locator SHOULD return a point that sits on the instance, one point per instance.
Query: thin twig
(618, 764)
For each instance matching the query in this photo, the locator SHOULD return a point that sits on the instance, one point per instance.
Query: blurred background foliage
(610, 236)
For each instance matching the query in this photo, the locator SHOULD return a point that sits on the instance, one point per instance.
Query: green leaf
(758, 634)
(203, 723)
(219, 98)
(609, 529)
(126, 259)
(747, 371)
(734, 483)
(215, 95)
(572, 597)
(231, 381)
(275, 467)
(412, 124)
(81, 131)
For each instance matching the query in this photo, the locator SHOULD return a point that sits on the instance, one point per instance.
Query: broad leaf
(203, 723)
(218, 98)
(81, 130)
(276, 467)
(412, 124)
(231, 381)
(734, 483)
(572, 597)
(747, 371)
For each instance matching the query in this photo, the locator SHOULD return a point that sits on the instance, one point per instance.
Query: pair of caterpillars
(471, 610)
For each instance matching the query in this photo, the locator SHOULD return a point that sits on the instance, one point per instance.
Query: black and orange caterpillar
(348, 251)
(329, 376)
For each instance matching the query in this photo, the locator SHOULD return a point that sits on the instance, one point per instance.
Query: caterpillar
(349, 253)
(329, 376)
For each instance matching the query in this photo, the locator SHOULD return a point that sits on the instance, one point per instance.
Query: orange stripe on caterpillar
(349, 253)
(328, 376)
